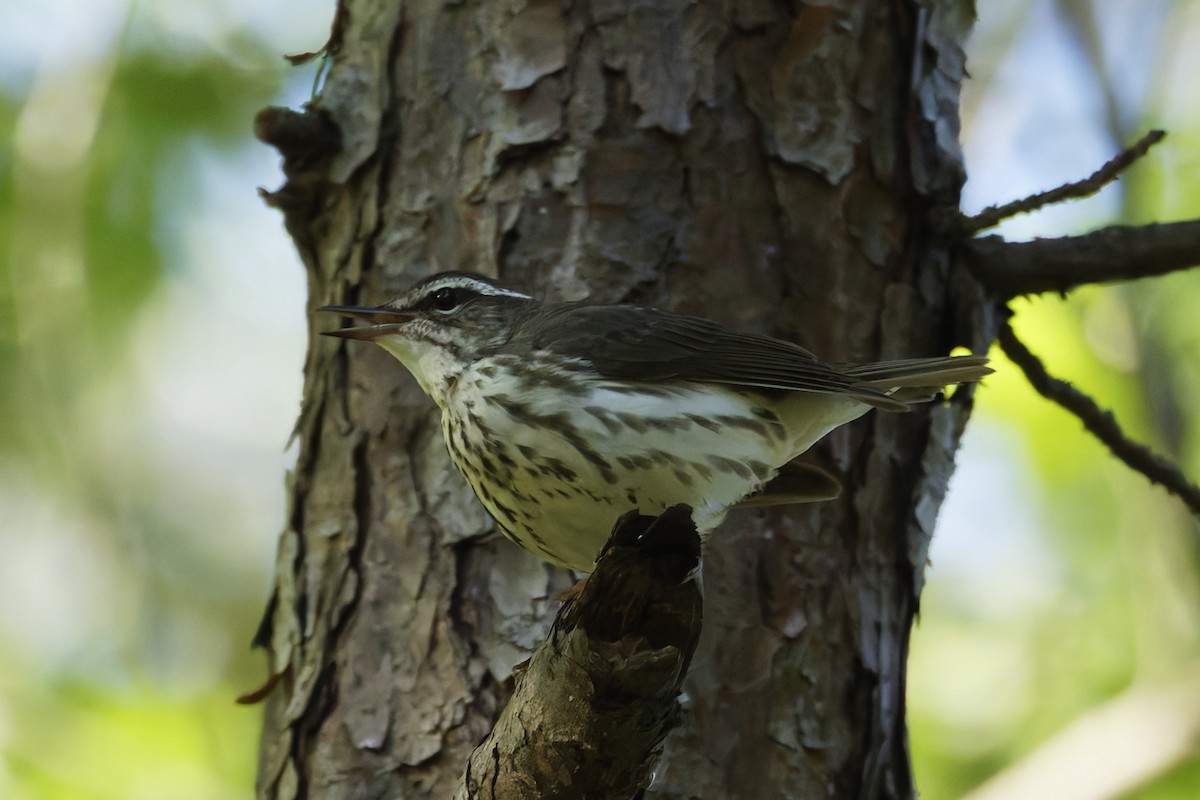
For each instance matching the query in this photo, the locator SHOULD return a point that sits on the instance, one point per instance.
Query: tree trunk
(783, 168)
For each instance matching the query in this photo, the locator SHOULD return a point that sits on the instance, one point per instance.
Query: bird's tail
(916, 380)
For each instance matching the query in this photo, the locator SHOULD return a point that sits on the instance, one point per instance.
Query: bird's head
(441, 325)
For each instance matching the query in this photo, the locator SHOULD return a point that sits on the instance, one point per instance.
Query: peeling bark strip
(591, 710)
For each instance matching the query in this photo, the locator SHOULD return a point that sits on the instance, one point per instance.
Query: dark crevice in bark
(508, 245)
(262, 635)
(306, 730)
(354, 554)
(304, 467)
(515, 156)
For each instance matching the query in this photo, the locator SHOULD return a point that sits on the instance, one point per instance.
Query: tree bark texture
(775, 166)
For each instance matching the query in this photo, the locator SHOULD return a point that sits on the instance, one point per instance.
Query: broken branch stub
(599, 695)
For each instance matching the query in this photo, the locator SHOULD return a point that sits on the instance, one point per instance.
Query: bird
(564, 416)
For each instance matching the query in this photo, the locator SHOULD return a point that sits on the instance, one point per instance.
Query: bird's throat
(435, 367)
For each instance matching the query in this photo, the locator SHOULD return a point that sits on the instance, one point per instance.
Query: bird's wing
(641, 344)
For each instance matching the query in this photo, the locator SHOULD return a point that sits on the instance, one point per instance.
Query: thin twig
(994, 215)
(1102, 424)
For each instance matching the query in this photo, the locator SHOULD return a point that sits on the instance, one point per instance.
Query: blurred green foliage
(126, 617)
(136, 744)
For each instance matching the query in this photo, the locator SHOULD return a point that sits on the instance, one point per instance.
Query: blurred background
(151, 341)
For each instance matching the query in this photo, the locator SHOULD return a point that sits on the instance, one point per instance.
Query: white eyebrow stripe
(475, 285)
(498, 291)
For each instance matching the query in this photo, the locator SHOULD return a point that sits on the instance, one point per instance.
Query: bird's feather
(641, 344)
(796, 482)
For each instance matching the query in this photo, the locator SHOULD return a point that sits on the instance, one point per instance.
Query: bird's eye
(445, 299)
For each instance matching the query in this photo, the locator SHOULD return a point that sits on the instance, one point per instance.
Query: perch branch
(600, 693)
(1120, 252)
(994, 215)
(1099, 422)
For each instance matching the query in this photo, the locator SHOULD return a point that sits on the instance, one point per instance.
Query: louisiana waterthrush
(564, 416)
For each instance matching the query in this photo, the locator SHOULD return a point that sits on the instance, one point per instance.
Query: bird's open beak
(384, 321)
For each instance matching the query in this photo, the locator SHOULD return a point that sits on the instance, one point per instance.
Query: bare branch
(600, 693)
(1099, 422)
(1120, 252)
(994, 215)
